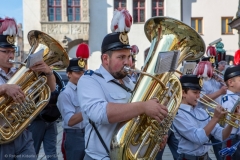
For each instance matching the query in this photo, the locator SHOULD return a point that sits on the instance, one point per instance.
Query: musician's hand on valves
(223, 90)
(155, 110)
(15, 92)
(219, 112)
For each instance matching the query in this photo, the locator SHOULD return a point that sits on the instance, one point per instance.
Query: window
(119, 4)
(196, 23)
(73, 10)
(226, 29)
(138, 11)
(157, 8)
(54, 10)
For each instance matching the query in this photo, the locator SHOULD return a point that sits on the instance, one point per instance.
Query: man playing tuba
(103, 95)
(22, 147)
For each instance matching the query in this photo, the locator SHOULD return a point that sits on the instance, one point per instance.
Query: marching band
(115, 113)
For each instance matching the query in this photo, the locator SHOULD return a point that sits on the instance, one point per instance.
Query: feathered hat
(120, 26)
(8, 32)
(134, 52)
(204, 70)
(211, 53)
(82, 54)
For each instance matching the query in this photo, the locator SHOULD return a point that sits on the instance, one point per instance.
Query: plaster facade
(96, 20)
(212, 13)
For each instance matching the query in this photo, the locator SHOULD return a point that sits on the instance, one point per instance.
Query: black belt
(191, 157)
(74, 130)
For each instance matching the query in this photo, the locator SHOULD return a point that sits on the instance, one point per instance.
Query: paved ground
(166, 155)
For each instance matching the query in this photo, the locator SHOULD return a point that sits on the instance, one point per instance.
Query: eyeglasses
(8, 51)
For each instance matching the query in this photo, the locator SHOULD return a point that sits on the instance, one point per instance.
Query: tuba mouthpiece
(16, 62)
(126, 69)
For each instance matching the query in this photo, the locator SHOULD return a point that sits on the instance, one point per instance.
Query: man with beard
(104, 94)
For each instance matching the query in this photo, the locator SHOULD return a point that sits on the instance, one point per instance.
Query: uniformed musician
(104, 94)
(213, 89)
(22, 147)
(192, 124)
(232, 79)
(73, 123)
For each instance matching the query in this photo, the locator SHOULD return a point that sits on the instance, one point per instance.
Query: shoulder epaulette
(224, 99)
(89, 72)
(63, 89)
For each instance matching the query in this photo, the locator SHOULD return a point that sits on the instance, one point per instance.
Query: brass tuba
(15, 117)
(140, 137)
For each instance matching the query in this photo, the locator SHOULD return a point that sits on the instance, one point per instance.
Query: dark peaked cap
(74, 66)
(191, 81)
(111, 42)
(232, 72)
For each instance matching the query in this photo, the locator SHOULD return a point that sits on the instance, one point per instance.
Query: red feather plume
(83, 51)
(8, 26)
(122, 21)
(204, 70)
(236, 60)
(211, 51)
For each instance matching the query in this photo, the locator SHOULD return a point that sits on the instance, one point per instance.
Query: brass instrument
(218, 76)
(15, 117)
(207, 101)
(140, 137)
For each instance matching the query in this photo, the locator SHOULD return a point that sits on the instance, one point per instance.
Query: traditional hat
(211, 53)
(120, 26)
(191, 81)
(8, 32)
(82, 54)
(74, 65)
(134, 52)
(204, 70)
(232, 72)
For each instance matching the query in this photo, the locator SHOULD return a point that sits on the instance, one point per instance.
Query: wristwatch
(50, 73)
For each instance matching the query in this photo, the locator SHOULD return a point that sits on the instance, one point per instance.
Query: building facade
(74, 21)
(210, 19)
(56, 18)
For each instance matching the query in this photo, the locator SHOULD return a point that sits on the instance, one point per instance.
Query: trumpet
(211, 103)
(218, 76)
(207, 101)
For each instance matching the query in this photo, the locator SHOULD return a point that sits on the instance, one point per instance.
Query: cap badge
(201, 82)
(212, 59)
(123, 37)
(10, 39)
(81, 63)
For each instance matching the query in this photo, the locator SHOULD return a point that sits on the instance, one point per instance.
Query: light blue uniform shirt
(228, 102)
(94, 93)
(5, 77)
(192, 129)
(210, 86)
(68, 105)
(133, 77)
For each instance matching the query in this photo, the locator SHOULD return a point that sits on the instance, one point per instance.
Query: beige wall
(212, 11)
(101, 13)
(100, 26)
(31, 19)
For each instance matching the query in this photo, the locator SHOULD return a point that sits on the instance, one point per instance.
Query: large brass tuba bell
(140, 137)
(15, 117)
